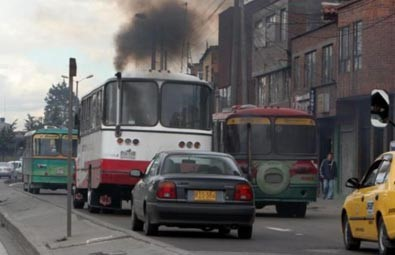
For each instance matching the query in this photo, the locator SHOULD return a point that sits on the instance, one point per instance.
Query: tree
(56, 109)
(7, 135)
(33, 123)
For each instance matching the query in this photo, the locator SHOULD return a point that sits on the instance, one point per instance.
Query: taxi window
(370, 177)
(383, 172)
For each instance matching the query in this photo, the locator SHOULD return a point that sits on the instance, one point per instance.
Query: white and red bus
(125, 121)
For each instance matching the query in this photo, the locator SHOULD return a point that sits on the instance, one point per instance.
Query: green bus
(45, 159)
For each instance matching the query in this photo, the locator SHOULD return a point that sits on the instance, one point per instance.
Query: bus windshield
(52, 145)
(139, 104)
(236, 140)
(186, 106)
(288, 136)
(65, 146)
(295, 136)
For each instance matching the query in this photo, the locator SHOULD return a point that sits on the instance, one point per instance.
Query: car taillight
(166, 190)
(243, 192)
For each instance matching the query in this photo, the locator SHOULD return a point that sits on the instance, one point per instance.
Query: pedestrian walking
(328, 173)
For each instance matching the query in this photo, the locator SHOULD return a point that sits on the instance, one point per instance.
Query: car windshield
(199, 164)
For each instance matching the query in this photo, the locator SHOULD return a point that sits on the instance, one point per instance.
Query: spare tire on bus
(273, 177)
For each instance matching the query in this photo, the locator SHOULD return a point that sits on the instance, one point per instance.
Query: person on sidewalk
(328, 173)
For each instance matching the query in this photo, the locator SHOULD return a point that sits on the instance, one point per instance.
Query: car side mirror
(136, 173)
(352, 183)
(379, 108)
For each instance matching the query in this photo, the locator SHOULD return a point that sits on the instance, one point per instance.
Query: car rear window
(199, 164)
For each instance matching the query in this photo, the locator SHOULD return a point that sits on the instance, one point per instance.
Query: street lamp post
(77, 82)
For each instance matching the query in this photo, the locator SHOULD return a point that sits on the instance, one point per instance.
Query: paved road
(318, 233)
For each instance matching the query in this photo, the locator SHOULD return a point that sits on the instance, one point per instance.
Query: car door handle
(377, 197)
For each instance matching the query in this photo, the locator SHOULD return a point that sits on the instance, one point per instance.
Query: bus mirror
(118, 132)
(379, 108)
(352, 183)
(136, 173)
(76, 121)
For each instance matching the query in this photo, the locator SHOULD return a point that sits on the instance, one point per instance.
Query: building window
(206, 73)
(357, 45)
(263, 89)
(296, 72)
(327, 64)
(344, 65)
(277, 84)
(270, 36)
(309, 69)
(259, 35)
(225, 97)
(283, 25)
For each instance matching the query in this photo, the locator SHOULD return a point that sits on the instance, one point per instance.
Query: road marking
(280, 229)
(3, 251)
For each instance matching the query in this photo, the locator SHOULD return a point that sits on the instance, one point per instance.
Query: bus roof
(270, 112)
(154, 75)
(50, 131)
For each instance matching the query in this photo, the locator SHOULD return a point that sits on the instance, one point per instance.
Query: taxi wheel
(350, 242)
(137, 225)
(383, 240)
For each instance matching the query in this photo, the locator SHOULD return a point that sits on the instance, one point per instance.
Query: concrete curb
(23, 237)
(28, 240)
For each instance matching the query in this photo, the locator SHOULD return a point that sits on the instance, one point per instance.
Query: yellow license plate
(205, 195)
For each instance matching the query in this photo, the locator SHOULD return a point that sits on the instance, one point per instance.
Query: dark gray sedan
(193, 190)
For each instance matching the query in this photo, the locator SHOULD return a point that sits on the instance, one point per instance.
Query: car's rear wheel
(224, 230)
(384, 240)
(350, 242)
(137, 225)
(244, 232)
(149, 228)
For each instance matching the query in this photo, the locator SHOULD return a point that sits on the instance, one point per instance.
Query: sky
(37, 38)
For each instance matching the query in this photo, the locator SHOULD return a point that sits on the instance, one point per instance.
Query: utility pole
(243, 56)
(72, 73)
(235, 50)
(184, 39)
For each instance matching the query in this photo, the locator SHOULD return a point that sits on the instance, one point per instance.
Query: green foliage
(7, 136)
(56, 109)
(33, 123)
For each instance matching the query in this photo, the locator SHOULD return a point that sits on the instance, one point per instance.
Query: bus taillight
(303, 167)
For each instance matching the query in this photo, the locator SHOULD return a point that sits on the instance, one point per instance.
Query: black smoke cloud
(163, 22)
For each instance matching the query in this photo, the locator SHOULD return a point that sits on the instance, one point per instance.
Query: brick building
(334, 69)
(366, 39)
(273, 28)
(313, 83)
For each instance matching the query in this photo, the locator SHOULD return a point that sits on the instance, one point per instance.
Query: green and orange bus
(277, 150)
(45, 159)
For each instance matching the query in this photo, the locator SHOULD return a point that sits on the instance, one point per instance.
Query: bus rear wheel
(93, 201)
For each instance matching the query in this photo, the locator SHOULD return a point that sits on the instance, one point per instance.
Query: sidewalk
(40, 228)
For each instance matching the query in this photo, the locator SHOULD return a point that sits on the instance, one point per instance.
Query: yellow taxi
(368, 213)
